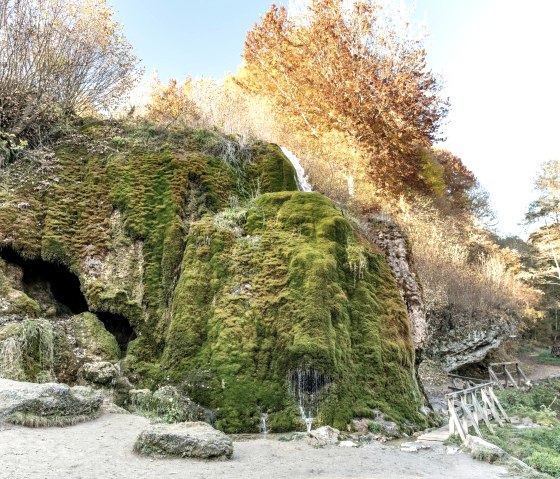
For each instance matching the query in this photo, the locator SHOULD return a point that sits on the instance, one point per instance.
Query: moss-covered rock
(280, 297)
(235, 283)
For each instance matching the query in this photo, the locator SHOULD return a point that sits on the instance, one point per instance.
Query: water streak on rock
(309, 387)
(301, 179)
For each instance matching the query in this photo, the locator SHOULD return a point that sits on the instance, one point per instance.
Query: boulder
(47, 404)
(186, 439)
(323, 436)
(486, 451)
(102, 373)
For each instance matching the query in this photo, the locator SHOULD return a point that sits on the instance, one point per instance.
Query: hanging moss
(280, 296)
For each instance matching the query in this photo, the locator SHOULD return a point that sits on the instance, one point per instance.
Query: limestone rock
(57, 402)
(168, 402)
(413, 446)
(394, 243)
(100, 372)
(323, 436)
(484, 450)
(347, 444)
(187, 439)
(460, 337)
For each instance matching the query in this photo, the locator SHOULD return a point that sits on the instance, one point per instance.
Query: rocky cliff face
(394, 244)
(458, 337)
(195, 262)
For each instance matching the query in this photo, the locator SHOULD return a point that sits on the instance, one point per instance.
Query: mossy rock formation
(234, 283)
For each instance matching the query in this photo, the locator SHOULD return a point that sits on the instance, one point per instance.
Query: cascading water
(264, 423)
(301, 179)
(309, 387)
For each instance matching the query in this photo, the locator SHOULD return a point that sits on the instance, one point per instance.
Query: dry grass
(34, 420)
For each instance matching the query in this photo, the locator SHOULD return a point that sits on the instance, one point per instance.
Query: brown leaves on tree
(341, 68)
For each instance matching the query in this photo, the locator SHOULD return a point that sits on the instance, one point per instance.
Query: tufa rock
(100, 372)
(458, 337)
(395, 245)
(323, 436)
(187, 439)
(47, 404)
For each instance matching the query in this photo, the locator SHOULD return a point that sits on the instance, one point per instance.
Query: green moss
(25, 306)
(272, 169)
(27, 351)
(254, 306)
(34, 420)
(90, 334)
(248, 287)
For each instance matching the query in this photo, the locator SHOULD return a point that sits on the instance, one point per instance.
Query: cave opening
(49, 283)
(119, 326)
(54, 285)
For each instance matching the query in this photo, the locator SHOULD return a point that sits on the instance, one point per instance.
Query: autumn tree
(172, 105)
(341, 67)
(59, 58)
(546, 211)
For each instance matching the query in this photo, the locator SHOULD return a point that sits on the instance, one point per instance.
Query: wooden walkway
(506, 375)
(469, 407)
(437, 435)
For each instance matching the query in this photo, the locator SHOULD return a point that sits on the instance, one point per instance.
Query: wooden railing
(463, 382)
(468, 407)
(502, 377)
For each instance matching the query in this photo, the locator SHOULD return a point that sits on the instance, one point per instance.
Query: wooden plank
(467, 413)
(525, 378)
(495, 379)
(490, 403)
(480, 410)
(503, 364)
(478, 380)
(465, 391)
(458, 427)
(495, 399)
(511, 378)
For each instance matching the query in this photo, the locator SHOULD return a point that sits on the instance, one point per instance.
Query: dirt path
(103, 449)
(536, 371)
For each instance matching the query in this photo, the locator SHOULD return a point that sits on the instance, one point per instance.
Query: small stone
(413, 446)
(450, 450)
(347, 444)
(408, 447)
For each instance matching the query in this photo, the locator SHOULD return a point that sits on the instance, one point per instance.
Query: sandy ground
(103, 449)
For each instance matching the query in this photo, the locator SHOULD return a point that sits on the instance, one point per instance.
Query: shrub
(59, 57)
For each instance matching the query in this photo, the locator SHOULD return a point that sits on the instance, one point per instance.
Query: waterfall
(264, 423)
(303, 184)
(309, 388)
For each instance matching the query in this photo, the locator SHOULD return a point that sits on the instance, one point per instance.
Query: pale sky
(500, 60)
(502, 74)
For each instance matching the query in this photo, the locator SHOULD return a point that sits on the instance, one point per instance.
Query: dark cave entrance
(45, 282)
(119, 327)
(55, 285)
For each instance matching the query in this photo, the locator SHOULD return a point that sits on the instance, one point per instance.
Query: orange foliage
(342, 69)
